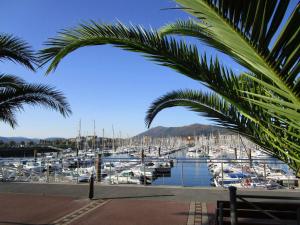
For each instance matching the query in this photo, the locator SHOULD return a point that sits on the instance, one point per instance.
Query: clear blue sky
(105, 84)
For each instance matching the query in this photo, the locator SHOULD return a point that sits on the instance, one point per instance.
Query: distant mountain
(54, 139)
(19, 139)
(190, 130)
(25, 139)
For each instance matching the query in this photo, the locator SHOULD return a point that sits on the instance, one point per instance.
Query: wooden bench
(260, 210)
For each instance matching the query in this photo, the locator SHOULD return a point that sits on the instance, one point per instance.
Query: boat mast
(103, 140)
(94, 138)
(120, 140)
(113, 139)
(79, 138)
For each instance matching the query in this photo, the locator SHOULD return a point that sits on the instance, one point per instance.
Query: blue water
(193, 173)
(183, 174)
(186, 173)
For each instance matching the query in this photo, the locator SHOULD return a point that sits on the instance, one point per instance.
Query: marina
(219, 161)
(230, 157)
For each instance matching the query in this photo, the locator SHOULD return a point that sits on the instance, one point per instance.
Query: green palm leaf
(237, 30)
(261, 103)
(228, 116)
(240, 29)
(16, 50)
(167, 52)
(15, 92)
(14, 95)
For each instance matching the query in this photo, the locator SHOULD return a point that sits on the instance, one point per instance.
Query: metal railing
(185, 171)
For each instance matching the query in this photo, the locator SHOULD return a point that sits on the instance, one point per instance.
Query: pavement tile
(21, 209)
(137, 212)
(211, 209)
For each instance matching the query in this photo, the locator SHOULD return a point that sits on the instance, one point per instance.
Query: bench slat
(259, 222)
(248, 215)
(265, 205)
(244, 213)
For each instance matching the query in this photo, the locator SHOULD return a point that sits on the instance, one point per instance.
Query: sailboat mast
(103, 140)
(79, 137)
(94, 137)
(113, 139)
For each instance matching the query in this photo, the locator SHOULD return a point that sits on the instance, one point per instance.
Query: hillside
(25, 139)
(190, 130)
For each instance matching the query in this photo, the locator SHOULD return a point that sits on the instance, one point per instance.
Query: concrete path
(29, 209)
(25, 209)
(133, 191)
(62, 204)
(137, 212)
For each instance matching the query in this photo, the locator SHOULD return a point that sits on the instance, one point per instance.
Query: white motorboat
(196, 153)
(125, 177)
(34, 166)
(142, 170)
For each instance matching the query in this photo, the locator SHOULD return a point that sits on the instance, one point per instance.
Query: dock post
(232, 199)
(145, 179)
(48, 173)
(110, 173)
(265, 173)
(91, 191)
(142, 156)
(182, 174)
(222, 171)
(250, 157)
(77, 165)
(34, 154)
(235, 153)
(98, 168)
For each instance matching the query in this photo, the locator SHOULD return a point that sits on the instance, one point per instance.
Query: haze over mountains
(25, 139)
(190, 130)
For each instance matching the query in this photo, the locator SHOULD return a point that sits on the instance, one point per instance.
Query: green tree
(12, 143)
(15, 92)
(262, 103)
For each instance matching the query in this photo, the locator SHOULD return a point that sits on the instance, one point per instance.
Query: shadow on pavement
(140, 196)
(18, 223)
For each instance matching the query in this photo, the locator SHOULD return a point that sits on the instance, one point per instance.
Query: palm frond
(16, 50)
(14, 99)
(228, 116)
(244, 31)
(177, 55)
(166, 52)
(180, 56)
(8, 116)
(209, 104)
(10, 81)
(262, 103)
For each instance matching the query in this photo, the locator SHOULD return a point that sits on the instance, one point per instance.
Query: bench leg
(232, 196)
(220, 214)
(298, 216)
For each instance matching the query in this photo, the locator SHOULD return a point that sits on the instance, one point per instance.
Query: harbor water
(183, 172)
(186, 173)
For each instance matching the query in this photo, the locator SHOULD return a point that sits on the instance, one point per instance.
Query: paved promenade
(62, 204)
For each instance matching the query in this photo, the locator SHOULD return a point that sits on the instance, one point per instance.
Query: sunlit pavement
(26, 209)
(62, 204)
